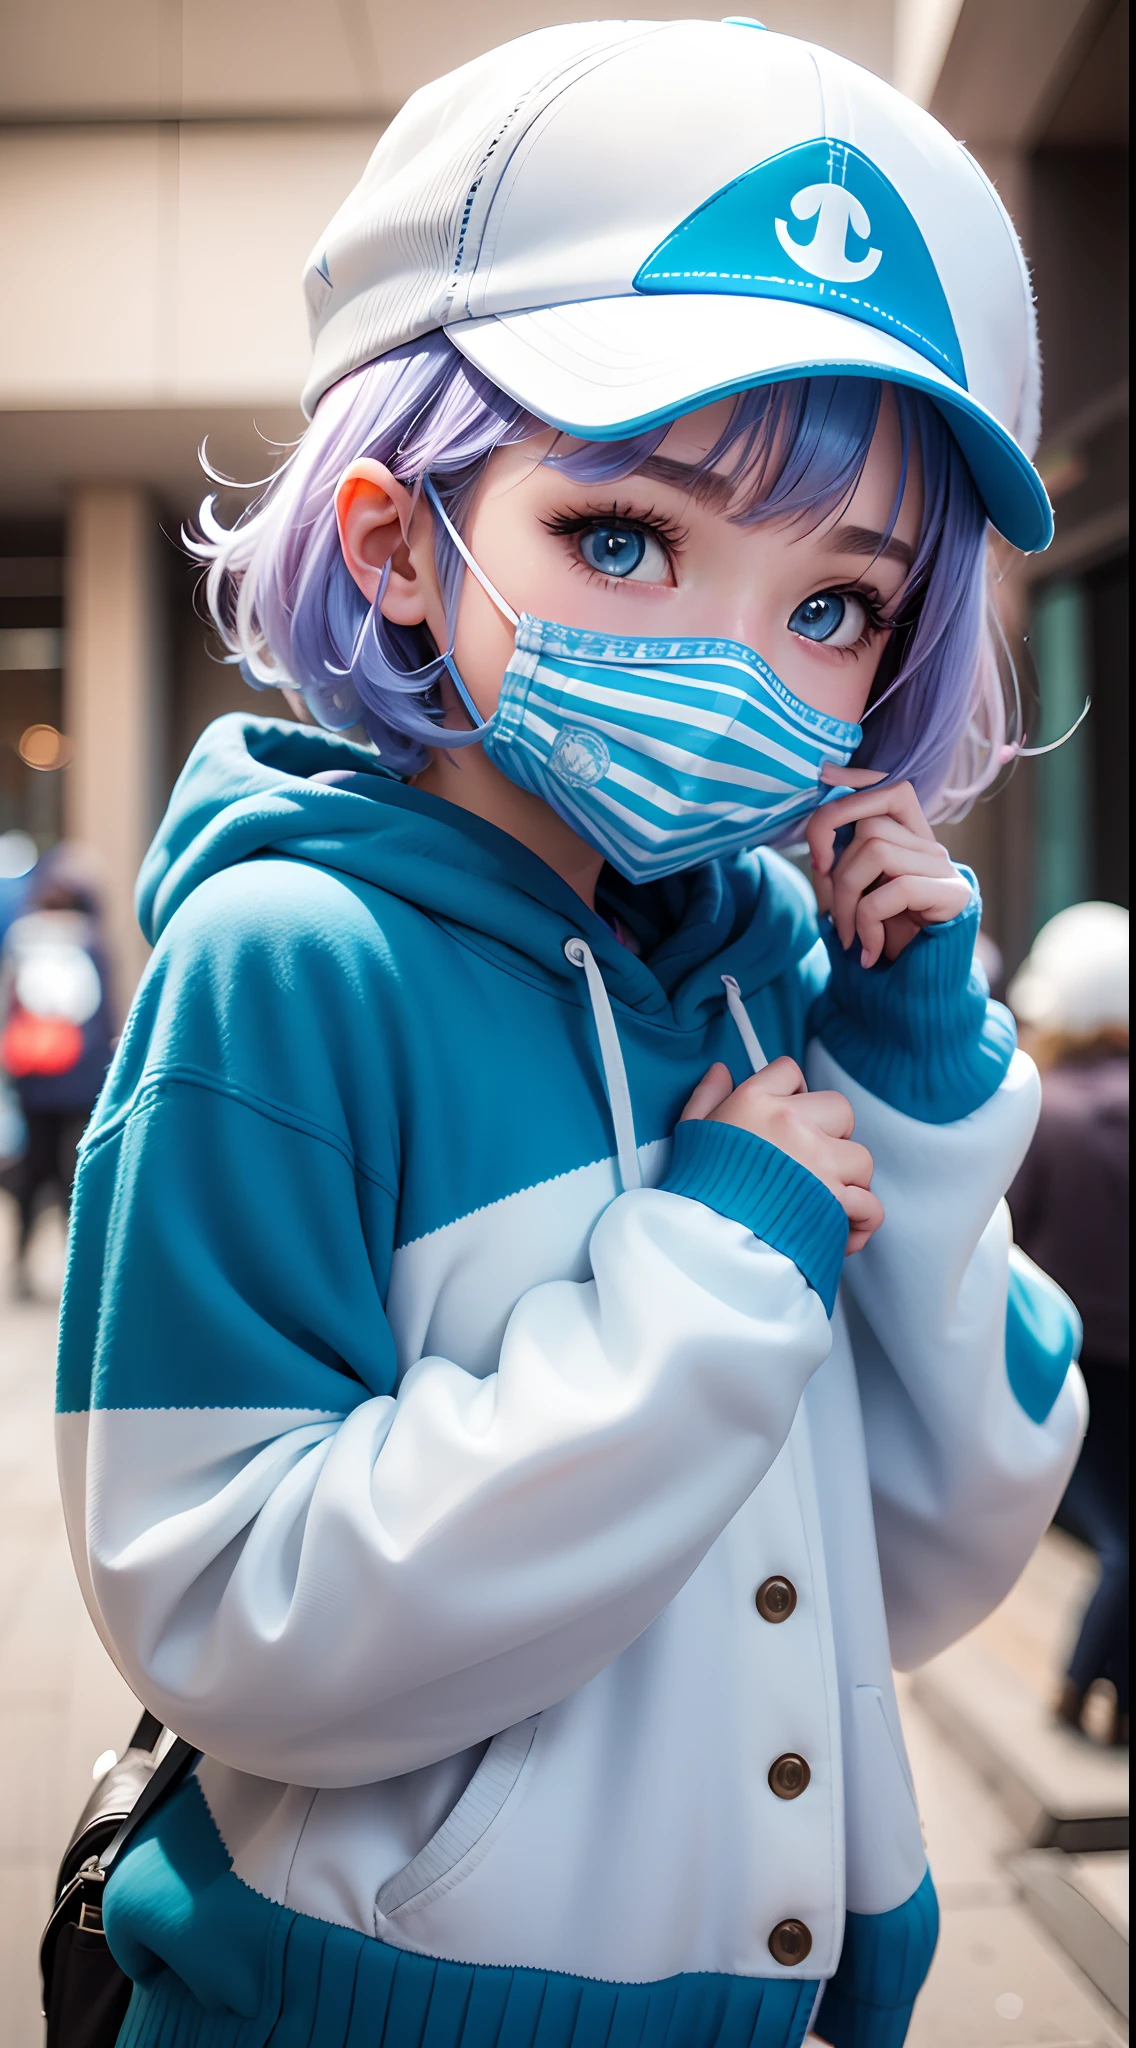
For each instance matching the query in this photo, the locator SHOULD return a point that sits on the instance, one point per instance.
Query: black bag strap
(146, 1734)
(175, 1766)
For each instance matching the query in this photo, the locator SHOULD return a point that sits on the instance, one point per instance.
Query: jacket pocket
(470, 1829)
(885, 1858)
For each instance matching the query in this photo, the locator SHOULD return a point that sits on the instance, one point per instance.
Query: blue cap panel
(820, 225)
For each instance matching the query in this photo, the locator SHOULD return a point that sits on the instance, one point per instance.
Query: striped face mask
(662, 754)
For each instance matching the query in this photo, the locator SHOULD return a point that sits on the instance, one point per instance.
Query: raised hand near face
(893, 877)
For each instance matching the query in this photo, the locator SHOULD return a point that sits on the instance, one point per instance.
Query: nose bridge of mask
(698, 665)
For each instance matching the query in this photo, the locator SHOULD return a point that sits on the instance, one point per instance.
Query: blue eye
(819, 617)
(613, 550)
(629, 554)
(839, 620)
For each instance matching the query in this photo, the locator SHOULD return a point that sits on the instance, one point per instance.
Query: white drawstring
(746, 1032)
(611, 1054)
(615, 1073)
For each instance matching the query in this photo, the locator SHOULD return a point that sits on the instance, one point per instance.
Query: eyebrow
(705, 486)
(864, 540)
(709, 487)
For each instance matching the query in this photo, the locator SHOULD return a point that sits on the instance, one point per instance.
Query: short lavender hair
(281, 597)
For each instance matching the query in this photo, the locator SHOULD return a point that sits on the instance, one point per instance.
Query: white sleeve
(964, 1482)
(331, 1600)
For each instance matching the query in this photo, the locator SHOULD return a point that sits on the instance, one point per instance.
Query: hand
(893, 878)
(814, 1129)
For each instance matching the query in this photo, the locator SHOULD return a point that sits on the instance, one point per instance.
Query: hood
(256, 786)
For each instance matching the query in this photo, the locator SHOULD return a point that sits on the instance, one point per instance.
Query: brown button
(790, 1942)
(775, 1599)
(789, 1776)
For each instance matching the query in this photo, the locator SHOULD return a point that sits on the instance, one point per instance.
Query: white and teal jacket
(427, 1473)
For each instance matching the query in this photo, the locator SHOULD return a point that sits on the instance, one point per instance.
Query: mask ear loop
(491, 592)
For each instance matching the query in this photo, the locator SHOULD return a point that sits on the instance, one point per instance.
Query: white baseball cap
(616, 221)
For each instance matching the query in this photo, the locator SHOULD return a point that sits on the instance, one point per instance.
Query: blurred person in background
(18, 856)
(55, 1033)
(1070, 1210)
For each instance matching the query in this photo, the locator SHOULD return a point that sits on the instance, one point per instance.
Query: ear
(378, 523)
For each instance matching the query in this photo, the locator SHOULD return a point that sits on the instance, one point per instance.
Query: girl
(539, 1340)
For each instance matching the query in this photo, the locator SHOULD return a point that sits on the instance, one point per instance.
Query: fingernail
(865, 957)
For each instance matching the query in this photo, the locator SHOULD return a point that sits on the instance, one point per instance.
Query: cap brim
(604, 369)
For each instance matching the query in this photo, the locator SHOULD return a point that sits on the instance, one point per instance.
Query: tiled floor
(997, 1981)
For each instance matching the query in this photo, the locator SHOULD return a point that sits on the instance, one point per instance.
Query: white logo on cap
(835, 208)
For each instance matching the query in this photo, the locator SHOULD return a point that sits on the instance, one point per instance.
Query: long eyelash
(670, 536)
(875, 618)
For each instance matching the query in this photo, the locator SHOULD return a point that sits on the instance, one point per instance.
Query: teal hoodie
(361, 1113)
(368, 962)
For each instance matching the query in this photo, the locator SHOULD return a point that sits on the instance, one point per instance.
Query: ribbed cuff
(920, 1032)
(752, 1182)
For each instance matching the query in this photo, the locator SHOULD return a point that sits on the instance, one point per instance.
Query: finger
(716, 1085)
(857, 871)
(819, 838)
(929, 897)
(872, 913)
(864, 1227)
(826, 1110)
(899, 805)
(865, 1213)
(854, 1164)
(887, 826)
(854, 875)
(822, 888)
(781, 1077)
(875, 856)
(839, 1161)
(898, 801)
(875, 851)
(860, 1205)
(850, 778)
